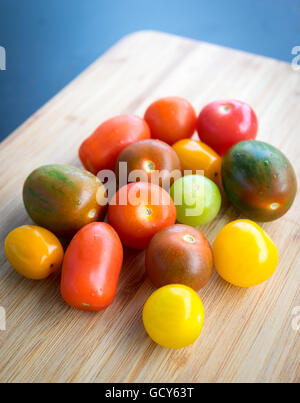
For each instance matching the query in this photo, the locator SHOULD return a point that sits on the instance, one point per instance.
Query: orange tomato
(138, 211)
(195, 155)
(171, 119)
(91, 267)
(102, 148)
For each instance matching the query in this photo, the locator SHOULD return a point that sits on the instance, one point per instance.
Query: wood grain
(248, 334)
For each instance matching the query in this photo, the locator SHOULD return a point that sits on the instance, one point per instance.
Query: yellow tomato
(244, 254)
(173, 316)
(33, 251)
(195, 155)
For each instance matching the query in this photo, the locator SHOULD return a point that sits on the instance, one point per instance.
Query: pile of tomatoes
(168, 182)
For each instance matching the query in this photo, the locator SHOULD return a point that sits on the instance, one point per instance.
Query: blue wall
(49, 42)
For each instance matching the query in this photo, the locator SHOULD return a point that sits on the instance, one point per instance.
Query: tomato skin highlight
(259, 180)
(195, 155)
(102, 148)
(151, 157)
(221, 124)
(136, 221)
(171, 119)
(91, 267)
(33, 251)
(244, 254)
(179, 254)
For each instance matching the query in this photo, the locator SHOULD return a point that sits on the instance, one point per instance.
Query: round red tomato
(221, 124)
(157, 162)
(179, 254)
(171, 119)
(91, 267)
(138, 211)
(102, 148)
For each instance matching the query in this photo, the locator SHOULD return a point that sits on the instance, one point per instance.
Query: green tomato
(197, 199)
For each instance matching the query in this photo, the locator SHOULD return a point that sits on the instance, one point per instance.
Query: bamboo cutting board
(249, 334)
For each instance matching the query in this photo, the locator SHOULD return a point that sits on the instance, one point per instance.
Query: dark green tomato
(63, 198)
(259, 180)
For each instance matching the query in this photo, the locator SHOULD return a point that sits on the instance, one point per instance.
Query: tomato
(244, 254)
(195, 155)
(102, 148)
(63, 198)
(197, 199)
(173, 316)
(155, 159)
(259, 180)
(179, 254)
(138, 211)
(221, 124)
(91, 267)
(171, 119)
(33, 251)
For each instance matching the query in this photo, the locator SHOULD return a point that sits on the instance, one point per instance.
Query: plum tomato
(173, 316)
(195, 156)
(157, 162)
(171, 119)
(102, 148)
(91, 267)
(259, 180)
(197, 199)
(179, 254)
(244, 254)
(221, 124)
(139, 210)
(33, 251)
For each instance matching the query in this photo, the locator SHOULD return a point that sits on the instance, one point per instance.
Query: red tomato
(179, 254)
(138, 211)
(157, 161)
(102, 148)
(171, 119)
(91, 267)
(221, 124)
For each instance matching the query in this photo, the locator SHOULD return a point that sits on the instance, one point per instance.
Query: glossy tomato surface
(221, 124)
(196, 156)
(63, 198)
(102, 148)
(171, 119)
(33, 251)
(149, 161)
(173, 316)
(179, 254)
(138, 211)
(244, 254)
(91, 267)
(197, 199)
(259, 180)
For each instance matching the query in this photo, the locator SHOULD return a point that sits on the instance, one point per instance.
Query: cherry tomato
(221, 124)
(91, 267)
(102, 148)
(179, 254)
(173, 316)
(171, 119)
(195, 155)
(156, 159)
(244, 254)
(33, 251)
(197, 199)
(138, 211)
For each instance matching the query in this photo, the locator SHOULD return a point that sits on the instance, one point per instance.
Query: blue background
(49, 42)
